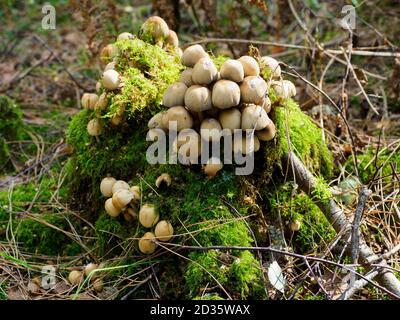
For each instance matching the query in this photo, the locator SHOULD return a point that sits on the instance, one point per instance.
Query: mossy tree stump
(228, 210)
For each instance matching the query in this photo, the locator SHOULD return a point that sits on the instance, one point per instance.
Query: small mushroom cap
(198, 98)
(110, 209)
(253, 89)
(174, 95)
(89, 100)
(164, 178)
(155, 27)
(268, 133)
(181, 116)
(193, 54)
(295, 225)
(110, 66)
(148, 215)
(155, 134)
(125, 36)
(98, 285)
(136, 193)
(110, 79)
(159, 121)
(75, 277)
(245, 146)
(94, 127)
(204, 72)
(266, 104)
(225, 94)
(284, 89)
(116, 120)
(250, 66)
(190, 148)
(232, 70)
(89, 268)
(122, 198)
(109, 51)
(106, 186)
(172, 39)
(186, 77)
(210, 129)
(254, 117)
(98, 86)
(164, 231)
(147, 243)
(230, 119)
(272, 65)
(212, 167)
(102, 102)
(119, 184)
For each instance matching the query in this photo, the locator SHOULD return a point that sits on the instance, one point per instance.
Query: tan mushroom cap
(182, 117)
(268, 133)
(174, 95)
(106, 186)
(163, 178)
(156, 27)
(111, 209)
(225, 94)
(244, 145)
(158, 121)
(198, 98)
(147, 243)
(186, 77)
(253, 89)
(164, 231)
(284, 89)
(272, 65)
(189, 147)
(212, 167)
(148, 215)
(89, 100)
(94, 127)
(102, 102)
(230, 119)
(119, 184)
(110, 79)
(210, 129)
(75, 277)
(254, 117)
(193, 54)
(122, 198)
(232, 70)
(109, 51)
(204, 71)
(172, 39)
(125, 36)
(250, 66)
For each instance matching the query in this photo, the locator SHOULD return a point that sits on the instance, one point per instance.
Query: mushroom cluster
(126, 199)
(154, 30)
(235, 97)
(76, 277)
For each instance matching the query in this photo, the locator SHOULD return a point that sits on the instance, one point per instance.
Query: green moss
(292, 205)
(247, 273)
(11, 129)
(35, 235)
(367, 167)
(296, 132)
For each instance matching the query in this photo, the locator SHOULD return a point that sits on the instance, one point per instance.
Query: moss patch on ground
(11, 129)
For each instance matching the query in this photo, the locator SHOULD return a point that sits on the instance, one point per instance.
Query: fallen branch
(308, 183)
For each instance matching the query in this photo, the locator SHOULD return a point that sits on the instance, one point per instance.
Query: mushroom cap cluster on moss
(233, 98)
(144, 78)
